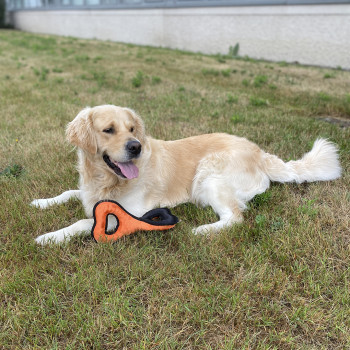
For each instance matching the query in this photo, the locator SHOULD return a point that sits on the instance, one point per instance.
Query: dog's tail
(320, 164)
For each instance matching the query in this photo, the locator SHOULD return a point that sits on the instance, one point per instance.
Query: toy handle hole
(112, 224)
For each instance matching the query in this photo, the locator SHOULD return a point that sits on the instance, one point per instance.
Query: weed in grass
(150, 60)
(42, 73)
(220, 59)
(329, 76)
(245, 82)
(283, 64)
(210, 71)
(138, 79)
(226, 72)
(139, 54)
(261, 199)
(82, 58)
(100, 78)
(57, 70)
(322, 96)
(258, 102)
(156, 80)
(231, 99)
(308, 208)
(260, 80)
(97, 59)
(237, 118)
(36, 71)
(67, 52)
(59, 80)
(246, 58)
(234, 50)
(215, 114)
(291, 81)
(277, 224)
(14, 170)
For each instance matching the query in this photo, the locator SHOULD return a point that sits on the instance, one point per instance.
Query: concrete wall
(316, 34)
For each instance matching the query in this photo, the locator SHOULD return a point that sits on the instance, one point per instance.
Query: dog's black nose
(133, 147)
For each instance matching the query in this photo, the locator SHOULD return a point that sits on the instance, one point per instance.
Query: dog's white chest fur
(134, 202)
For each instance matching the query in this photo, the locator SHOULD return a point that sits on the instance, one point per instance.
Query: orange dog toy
(156, 219)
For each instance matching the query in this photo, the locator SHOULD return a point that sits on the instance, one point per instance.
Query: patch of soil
(343, 123)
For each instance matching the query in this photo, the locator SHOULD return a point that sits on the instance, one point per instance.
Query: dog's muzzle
(133, 148)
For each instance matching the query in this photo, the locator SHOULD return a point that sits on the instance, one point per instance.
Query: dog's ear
(80, 132)
(139, 125)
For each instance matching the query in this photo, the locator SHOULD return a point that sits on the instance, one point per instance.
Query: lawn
(280, 280)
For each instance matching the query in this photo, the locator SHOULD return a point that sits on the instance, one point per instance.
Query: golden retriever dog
(116, 160)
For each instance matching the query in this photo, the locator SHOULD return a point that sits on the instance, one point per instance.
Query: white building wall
(316, 34)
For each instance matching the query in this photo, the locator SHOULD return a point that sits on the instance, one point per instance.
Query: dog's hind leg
(227, 182)
(228, 211)
(62, 198)
(213, 191)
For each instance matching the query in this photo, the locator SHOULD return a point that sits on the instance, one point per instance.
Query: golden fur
(220, 170)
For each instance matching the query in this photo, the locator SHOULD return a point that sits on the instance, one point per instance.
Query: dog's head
(113, 133)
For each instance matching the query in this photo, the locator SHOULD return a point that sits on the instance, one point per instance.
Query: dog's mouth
(126, 170)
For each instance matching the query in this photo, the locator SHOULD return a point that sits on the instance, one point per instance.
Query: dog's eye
(109, 131)
(132, 129)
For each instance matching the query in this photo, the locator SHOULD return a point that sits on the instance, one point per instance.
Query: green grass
(280, 280)
(138, 79)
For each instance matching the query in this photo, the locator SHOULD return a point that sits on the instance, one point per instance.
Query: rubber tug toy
(156, 219)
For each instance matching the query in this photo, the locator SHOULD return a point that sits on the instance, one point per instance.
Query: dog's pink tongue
(129, 169)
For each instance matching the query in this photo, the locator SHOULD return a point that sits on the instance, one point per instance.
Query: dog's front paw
(203, 230)
(50, 238)
(41, 240)
(40, 203)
